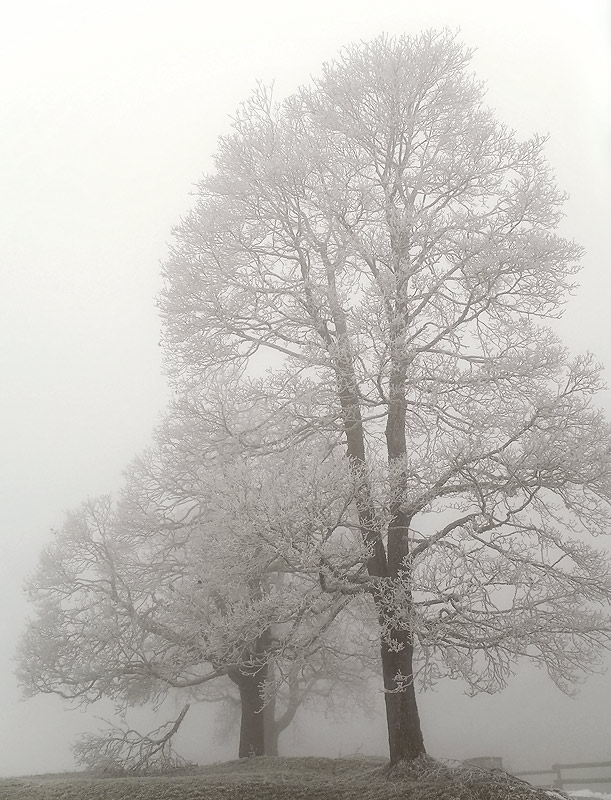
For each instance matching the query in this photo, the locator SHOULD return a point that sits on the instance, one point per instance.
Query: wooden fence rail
(560, 782)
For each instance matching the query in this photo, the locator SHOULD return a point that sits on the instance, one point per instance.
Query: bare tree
(198, 574)
(370, 266)
(104, 625)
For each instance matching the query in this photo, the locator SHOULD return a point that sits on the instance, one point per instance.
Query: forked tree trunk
(259, 729)
(405, 738)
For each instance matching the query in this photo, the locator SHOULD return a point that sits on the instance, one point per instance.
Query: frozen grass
(284, 779)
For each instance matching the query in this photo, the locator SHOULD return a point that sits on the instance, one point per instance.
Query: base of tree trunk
(252, 722)
(405, 739)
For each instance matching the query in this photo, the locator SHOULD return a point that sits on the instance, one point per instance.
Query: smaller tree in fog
(196, 581)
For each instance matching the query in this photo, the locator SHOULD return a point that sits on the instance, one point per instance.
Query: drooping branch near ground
(125, 750)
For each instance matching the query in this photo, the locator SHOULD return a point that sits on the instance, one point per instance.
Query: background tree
(386, 252)
(200, 574)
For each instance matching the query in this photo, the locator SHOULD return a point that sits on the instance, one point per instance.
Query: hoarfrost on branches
(372, 419)
(387, 253)
(204, 576)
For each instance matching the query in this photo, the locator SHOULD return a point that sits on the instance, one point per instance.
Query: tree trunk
(404, 731)
(403, 721)
(405, 740)
(251, 680)
(252, 722)
(405, 737)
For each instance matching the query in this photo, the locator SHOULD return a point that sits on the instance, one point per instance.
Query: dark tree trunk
(404, 732)
(252, 721)
(405, 740)
(405, 737)
(251, 680)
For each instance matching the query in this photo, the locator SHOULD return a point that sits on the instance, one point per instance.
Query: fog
(110, 112)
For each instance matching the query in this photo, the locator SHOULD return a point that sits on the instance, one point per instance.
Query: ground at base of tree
(271, 778)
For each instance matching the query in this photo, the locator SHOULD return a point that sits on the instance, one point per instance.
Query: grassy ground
(281, 779)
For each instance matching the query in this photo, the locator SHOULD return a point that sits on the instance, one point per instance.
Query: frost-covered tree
(370, 265)
(197, 580)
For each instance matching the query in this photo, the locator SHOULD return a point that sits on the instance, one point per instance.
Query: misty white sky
(109, 113)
